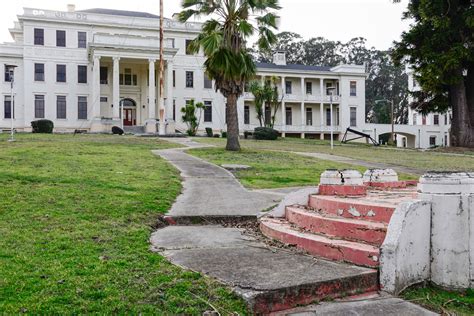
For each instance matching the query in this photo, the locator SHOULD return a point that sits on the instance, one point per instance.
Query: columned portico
(96, 88)
(151, 121)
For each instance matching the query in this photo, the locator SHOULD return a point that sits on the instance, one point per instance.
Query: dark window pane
(309, 116)
(289, 116)
(174, 78)
(353, 116)
(188, 50)
(82, 74)
(39, 72)
(82, 108)
(207, 111)
(103, 75)
(328, 117)
(81, 39)
(246, 114)
(61, 73)
(268, 115)
(309, 88)
(60, 38)
(8, 107)
(436, 119)
(189, 79)
(288, 87)
(353, 88)
(39, 36)
(39, 106)
(9, 72)
(61, 107)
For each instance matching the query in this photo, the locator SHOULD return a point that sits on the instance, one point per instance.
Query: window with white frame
(353, 88)
(127, 78)
(309, 88)
(207, 82)
(60, 38)
(246, 114)
(309, 116)
(39, 72)
(60, 73)
(82, 108)
(7, 107)
(436, 119)
(289, 115)
(208, 111)
(39, 106)
(39, 36)
(189, 79)
(61, 106)
(288, 87)
(353, 116)
(81, 39)
(81, 74)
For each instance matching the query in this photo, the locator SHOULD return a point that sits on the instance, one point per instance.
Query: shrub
(209, 132)
(42, 126)
(224, 134)
(265, 133)
(117, 130)
(247, 134)
(217, 135)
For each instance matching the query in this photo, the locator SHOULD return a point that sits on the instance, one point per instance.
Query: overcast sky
(377, 20)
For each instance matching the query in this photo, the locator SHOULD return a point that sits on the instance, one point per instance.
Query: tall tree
(223, 39)
(440, 48)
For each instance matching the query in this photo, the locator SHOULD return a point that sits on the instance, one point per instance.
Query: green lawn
(271, 169)
(442, 301)
(76, 215)
(422, 160)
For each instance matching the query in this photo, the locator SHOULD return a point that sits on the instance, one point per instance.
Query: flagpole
(162, 127)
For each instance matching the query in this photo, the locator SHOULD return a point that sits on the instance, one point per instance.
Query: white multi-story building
(436, 125)
(85, 70)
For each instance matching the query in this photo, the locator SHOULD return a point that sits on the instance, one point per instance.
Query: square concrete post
(451, 196)
(283, 108)
(303, 121)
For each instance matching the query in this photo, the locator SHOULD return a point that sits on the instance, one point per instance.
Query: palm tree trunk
(232, 124)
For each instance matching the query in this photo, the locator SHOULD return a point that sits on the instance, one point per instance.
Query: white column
(283, 109)
(321, 106)
(151, 90)
(116, 88)
(96, 87)
(169, 88)
(303, 121)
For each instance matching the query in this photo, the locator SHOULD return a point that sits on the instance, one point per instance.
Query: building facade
(92, 69)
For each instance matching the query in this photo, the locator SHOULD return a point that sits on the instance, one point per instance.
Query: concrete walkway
(358, 162)
(265, 276)
(211, 191)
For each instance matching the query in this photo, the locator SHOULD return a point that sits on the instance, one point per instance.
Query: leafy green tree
(440, 48)
(273, 100)
(190, 117)
(223, 40)
(258, 92)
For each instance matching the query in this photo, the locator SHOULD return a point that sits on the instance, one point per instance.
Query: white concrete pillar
(283, 108)
(452, 226)
(150, 124)
(169, 88)
(303, 114)
(151, 90)
(96, 87)
(321, 106)
(116, 88)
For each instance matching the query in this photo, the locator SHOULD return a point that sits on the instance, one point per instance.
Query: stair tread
(332, 217)
(284, 225)
(363, 201)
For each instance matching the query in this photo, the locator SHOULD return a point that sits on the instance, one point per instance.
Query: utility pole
(161, 101)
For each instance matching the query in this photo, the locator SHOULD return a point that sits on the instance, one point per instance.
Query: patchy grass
(76, 215)
(270, 169)
(422, 160)
(442, 301)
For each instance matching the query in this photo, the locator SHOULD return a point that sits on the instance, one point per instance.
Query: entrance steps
(340, 228)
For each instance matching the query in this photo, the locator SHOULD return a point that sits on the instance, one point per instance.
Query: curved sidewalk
(211, 191)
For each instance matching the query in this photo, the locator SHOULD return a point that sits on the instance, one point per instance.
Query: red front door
(129, 118)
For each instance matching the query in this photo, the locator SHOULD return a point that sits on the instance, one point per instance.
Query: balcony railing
(108, 40)
(299, 98)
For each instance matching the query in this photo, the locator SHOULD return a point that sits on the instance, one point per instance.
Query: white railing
(297, 128)
(109, 40)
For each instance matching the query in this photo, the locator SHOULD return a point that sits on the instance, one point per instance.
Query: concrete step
(353, 208)
(318, 245)
(339, 227)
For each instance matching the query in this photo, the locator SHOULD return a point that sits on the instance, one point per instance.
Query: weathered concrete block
(451, 196)
(405, 253)
(344, 177)
(380, 175)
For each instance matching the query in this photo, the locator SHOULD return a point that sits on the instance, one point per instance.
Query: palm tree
(223, 41)
(258, 92)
